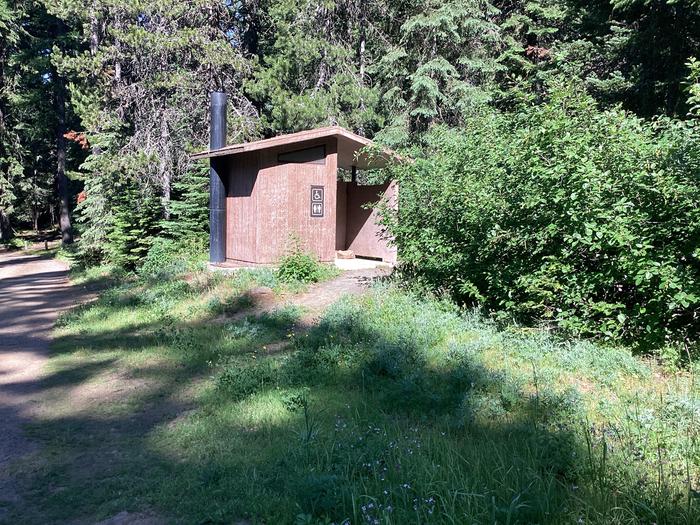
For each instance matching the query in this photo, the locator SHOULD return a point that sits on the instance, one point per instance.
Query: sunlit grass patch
(394, 408)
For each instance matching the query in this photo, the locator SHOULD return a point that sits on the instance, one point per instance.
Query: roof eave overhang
(378, 159)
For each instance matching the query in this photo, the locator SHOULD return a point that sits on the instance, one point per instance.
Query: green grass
(394, 409)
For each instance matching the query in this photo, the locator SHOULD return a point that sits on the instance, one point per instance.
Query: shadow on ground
(129, 434)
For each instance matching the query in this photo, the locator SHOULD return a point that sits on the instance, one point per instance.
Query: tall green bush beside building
(563, 213)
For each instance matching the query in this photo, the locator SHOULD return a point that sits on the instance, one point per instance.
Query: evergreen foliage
(10, 165)
(189, 207)
(308, 69)
(31, 141)
(441, 66)
(133, 228)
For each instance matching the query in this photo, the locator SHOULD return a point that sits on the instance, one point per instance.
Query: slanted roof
(351, 147)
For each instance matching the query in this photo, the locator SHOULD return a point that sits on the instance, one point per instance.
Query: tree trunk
(252, 27)
(61, 179)
(361, 51)
(361, 58)
(94, 30)
(166, 176)
(5, 230)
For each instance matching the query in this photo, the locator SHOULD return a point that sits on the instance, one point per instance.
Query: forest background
(556, 145)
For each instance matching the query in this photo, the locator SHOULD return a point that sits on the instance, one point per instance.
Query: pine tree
(134, 226)
(632, 51)
(440, 66)
(34, 115)
(189, 208)
(10, 164)
(311, 67)
(142, 85)
(531, 30)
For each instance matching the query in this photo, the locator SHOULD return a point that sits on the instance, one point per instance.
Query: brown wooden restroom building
(267, 192)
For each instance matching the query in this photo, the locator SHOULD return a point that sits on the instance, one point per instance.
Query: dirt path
(33, 290)
(316, 299)
(320, 296)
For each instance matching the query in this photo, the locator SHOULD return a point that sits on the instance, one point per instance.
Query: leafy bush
(302, 267)
(239, 382)
(561, 213)
(229, 305)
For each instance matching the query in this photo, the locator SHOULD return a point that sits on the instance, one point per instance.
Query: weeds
(299, 266)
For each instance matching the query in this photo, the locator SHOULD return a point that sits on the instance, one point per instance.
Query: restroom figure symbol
(317, 201)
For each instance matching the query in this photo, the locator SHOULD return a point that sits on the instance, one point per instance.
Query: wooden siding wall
(342, 214)
(364, 235)
(268, 202)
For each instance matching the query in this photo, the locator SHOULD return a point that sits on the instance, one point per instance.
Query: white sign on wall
(317, 201)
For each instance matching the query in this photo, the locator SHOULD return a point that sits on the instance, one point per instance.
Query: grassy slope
(395, 409)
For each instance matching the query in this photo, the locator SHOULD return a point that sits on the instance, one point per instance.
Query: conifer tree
(35, 115)
(10, 164)
(144, 78)
(133, 228)
(441, 65)
(311, 66)
(189, 211)
(530, 31)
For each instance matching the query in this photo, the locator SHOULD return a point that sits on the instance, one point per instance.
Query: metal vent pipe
(217, 191)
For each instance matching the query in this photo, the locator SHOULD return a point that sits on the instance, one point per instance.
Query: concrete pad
(360, 264)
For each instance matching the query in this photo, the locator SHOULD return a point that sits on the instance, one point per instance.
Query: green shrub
(241, 381)
(302, 267)
(167, 258)
(229, 305)
(561, 213)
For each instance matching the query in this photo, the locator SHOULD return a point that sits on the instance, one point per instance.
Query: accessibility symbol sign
(317, 201)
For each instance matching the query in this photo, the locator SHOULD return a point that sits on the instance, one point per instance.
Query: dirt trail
(320, 296)
(316, 299)
(33, 291)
